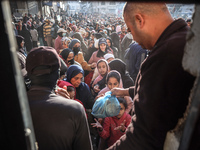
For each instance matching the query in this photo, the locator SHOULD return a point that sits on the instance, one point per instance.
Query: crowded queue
(67, 65)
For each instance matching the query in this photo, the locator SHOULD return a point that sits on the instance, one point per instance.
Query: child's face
(102, 68)
(72, 94)
(122, 110)
(112, 82)
(110, 59)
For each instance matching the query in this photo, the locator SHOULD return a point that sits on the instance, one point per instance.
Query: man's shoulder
(64, 103)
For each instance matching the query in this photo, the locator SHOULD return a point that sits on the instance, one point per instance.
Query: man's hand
(63, 92)
(120, 92)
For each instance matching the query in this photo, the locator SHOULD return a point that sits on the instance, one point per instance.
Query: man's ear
(139, 20)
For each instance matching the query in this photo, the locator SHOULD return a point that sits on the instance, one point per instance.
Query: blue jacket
(134, 56)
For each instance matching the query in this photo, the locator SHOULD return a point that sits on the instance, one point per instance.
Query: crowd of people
(67, 65)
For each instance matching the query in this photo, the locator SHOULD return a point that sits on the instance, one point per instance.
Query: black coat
(162, 90)
(27, 38)
(59, 123)
(120, 66)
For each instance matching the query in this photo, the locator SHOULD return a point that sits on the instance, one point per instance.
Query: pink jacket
(94, 58)
(108, 128)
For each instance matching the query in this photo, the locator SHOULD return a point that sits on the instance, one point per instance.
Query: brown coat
(80, 59)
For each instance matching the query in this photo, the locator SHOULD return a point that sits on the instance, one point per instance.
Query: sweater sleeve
(106, 129)
(83, 63)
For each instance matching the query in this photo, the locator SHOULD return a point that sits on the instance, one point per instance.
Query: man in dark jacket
(162, 87)
(59, 123)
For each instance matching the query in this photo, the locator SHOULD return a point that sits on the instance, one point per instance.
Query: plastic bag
(107, 106)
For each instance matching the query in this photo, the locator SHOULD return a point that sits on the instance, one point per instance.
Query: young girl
(113, 79)
(114, 127)
(99, 83)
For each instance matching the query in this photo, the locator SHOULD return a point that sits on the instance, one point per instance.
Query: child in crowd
(70, 89)
(99, 83)
(114, 127)
(113, 79)
(109, 57)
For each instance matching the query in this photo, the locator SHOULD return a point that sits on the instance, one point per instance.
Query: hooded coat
(78, 36)
(120, 66)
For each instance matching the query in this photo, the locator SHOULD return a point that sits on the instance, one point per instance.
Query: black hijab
(120, 66)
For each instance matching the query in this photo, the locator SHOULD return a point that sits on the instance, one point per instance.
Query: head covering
(73, 42)
(102, 40)
(19, 40)
(108, 55)
(61, 30)
(106, 89)
(42, 60)
(111, 43)
(65, 53)
(78, 36)
(65, 39)
(72, 71)
(98, 35)
(120, 66)
(99, 77)
(100, 53)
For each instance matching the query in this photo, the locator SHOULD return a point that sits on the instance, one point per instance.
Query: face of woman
(112, 82)
(102, 68)
(103, 47)
(76, 80)
(108, 42)
(70, 56)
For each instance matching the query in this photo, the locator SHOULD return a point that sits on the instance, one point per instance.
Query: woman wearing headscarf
(75, 45)
(84, 47)
(27, 38)
(120, 66)
(116, 42)
(110, 45)
(74, 75)
(103, 49)
(21, 53)
(67, 56)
